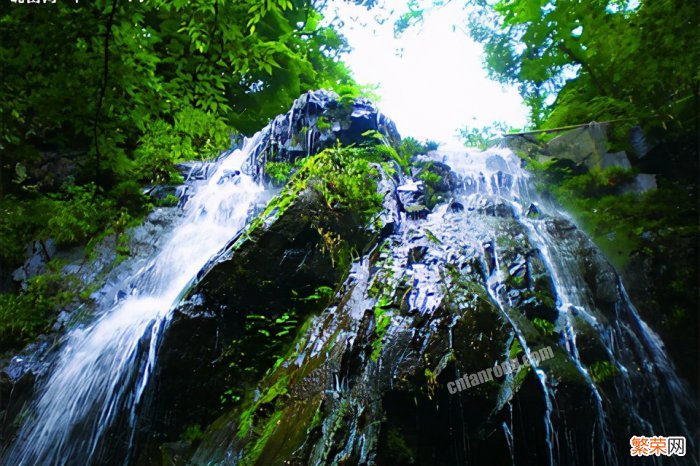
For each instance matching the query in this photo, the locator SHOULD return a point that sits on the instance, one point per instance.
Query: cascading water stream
(519, 195)
(103, 367)
(498, 173)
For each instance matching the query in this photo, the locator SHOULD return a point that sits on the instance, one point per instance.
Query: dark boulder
(439, 177)
(318, 120)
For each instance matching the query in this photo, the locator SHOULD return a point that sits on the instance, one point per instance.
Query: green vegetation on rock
(619, 220)
(279, 172)
(545, 327)
(24, 315)
(601, 371)
(344, 176)
(334, 195)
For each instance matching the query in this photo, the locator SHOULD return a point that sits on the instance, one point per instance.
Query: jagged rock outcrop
(367, 381)
(301, 244)
(319, 120)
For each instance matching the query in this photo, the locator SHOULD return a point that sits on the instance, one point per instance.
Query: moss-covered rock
(367, 381)
(250, 303)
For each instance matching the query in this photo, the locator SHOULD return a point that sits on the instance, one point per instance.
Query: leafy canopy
(596, 60)
(106, 96)
(101, 98)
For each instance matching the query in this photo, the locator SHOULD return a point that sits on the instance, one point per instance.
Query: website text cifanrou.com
(499, 370)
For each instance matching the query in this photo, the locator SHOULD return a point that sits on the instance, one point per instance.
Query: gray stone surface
(584, 146)
(645, 182)
(615, 159)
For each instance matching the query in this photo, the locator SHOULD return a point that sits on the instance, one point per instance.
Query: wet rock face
(268, 273)
(190, 377)
(431, 184)
(316, 338)
(413, 316)
(15, 392)
(38, 254)
(448, 294)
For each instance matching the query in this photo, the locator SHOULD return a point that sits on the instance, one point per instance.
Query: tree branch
(596, 82)
(103, 89)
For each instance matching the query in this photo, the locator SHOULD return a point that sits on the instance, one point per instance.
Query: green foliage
(404, 155)
(181, 76)
(431, 236)
(382, 320)
(601, 371)
(411, 147)
(579, 61)
(434, 185)
(24, 315)
(543, 326)
(597, 182)
(279, 172)
(19, 221)
(349, 91)
(247, 418)
(322, 293)
(123, 95)
(482, 137)
(263, 436)
(515, 350)
(77, 215)
(431, 145)
(387, 152)
(382, 289)
(564, 180)
(264, 340)
(169, 200)
(431, 381)
(194, 135)
(429, 178)
(346, 179)
(192, 433)
(323, 124)
(617, 221)
(332, 244)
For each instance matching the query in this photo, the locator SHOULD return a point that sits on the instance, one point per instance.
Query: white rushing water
(103, 367)
(498, 174)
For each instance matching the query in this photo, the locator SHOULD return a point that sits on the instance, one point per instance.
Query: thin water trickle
(103, 367)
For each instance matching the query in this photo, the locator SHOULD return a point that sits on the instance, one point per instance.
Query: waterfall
(443, 283)
(103, 367)
(656, 401)
(444, 287)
